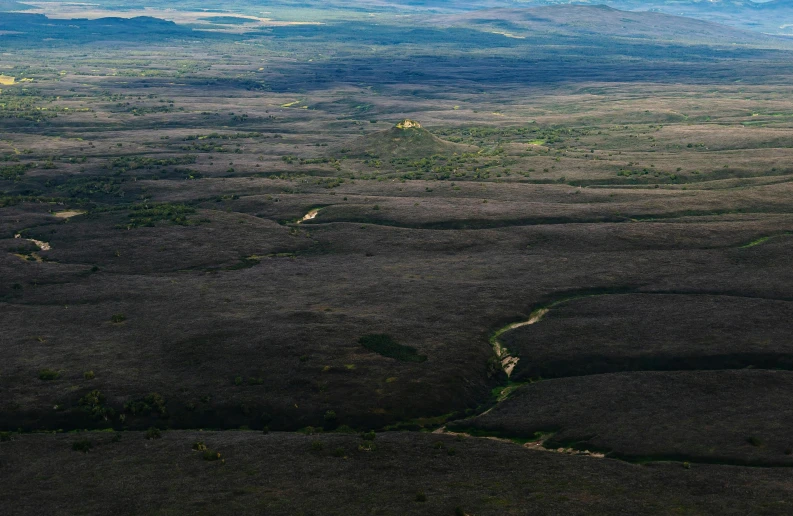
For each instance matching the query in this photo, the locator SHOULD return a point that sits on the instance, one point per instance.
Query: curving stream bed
(508, 362)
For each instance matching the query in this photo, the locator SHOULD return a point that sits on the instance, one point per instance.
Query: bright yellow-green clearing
(5, 80)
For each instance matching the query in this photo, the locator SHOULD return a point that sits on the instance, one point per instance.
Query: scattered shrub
(339, 452)
(48, 374)
(89, 375)
(153, 403)
(199, 446)
(366, 446)
(153, 433)
(118, 318)
(94, 404)
(368, 436)
(316, 446)
(331, 419)
(211, 455)
(5, 437)
(147, 215)
(754, 441)
(421, 497)
(83, 446)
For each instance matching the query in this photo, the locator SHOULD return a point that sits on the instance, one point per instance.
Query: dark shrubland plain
(479, 258)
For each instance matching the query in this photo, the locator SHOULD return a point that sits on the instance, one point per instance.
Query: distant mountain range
(773, 16)
(770, 16)
(581, 20)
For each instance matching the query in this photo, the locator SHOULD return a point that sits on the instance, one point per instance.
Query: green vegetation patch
(91, 186)
(94, 404)
(125, 163)
(149, 214)
(14, 172)
(153, 403)
(385, 345)
(48, 375)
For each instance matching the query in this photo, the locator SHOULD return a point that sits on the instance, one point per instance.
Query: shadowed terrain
(559, 238)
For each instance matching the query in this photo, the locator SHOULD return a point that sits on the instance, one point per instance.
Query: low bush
(211, 455)
(170, 213)
(83, 446)
(367, 446)
(48, 374)
(331, 420)
(152, 403)
(94, 404)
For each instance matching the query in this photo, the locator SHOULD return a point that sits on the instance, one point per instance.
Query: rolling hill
(407, 139)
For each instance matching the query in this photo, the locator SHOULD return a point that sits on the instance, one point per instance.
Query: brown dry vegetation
(647, 188)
